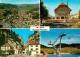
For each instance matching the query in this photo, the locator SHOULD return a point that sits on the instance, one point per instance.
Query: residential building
(33, 49)
(75, 16)
(6, 47)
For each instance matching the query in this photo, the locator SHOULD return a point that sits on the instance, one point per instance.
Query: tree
(7, 12)
(35, 16)
(43, 11)
(79, 14)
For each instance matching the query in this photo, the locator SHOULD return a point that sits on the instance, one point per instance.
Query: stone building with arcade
(62, 11)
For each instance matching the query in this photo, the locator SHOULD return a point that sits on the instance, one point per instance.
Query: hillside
(6, 6)
(66, 48)
(76, 45)
(43, 46)
(35, 38)
(8, 36)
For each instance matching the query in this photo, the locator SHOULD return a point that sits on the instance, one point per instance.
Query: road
(21, 55)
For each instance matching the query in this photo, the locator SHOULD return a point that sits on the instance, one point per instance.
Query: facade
(34, 48)
(62, 11)
(16, 51)
(75, 16)
(6, 47)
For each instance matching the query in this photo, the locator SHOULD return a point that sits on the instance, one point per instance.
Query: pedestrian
(44, 54)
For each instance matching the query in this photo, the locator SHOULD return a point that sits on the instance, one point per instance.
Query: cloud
(72, 39)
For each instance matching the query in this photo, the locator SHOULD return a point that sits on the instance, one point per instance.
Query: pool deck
(56, 54)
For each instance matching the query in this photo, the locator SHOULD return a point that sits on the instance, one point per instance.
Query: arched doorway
(62, 17)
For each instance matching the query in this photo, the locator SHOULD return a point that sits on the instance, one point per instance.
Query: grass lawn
(1, 11)
(2, 17)
(3, 56)
(63, 50)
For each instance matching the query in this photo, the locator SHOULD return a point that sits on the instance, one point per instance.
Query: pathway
(21, 55)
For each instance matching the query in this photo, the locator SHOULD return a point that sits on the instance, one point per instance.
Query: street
(21, 55)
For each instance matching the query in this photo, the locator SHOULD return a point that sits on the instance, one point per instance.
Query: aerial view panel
(19, 14)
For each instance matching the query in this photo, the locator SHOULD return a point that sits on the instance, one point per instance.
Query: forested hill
(27, 6)
(8, 36)
(77, 45)
(69, 45)
(3, 5)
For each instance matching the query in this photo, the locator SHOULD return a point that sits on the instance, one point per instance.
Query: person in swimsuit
(44, 54)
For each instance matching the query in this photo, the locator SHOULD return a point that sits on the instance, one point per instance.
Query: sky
(24, 33)
(20, 1)
(0, 1)
(54, 33)
(74, 5)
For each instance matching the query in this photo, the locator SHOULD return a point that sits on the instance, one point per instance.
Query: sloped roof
(62, 3)
(7, 44)
(63, 7)
(34, 44)
(75, 14)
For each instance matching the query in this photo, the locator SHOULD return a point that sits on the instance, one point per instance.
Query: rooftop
(7, 44)
(34, 44)
(63, 7)
(62, 3)
(75, 14)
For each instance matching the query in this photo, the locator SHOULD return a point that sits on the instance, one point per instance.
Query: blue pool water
(74, 55)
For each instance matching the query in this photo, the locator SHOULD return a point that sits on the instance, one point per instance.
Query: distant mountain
(3, 5)
(43, 46)
(27, 4)
(19, 6)
(77, 45)
(69, 45)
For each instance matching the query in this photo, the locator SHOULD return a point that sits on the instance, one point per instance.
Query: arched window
(62, 17)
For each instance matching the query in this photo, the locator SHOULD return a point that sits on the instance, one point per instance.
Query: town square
(60, 13)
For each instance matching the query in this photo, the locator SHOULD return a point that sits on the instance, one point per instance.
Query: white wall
(34, 48)
(16, 51)
(5, 48)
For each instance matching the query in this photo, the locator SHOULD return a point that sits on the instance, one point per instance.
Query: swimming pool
(72, 55)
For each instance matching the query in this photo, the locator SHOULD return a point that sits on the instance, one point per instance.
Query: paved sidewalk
(21, 55)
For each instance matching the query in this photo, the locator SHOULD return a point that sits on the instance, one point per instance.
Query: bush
(35, 16)
(0, 52)
(10, 52)
(3, 56)
(78, 47)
